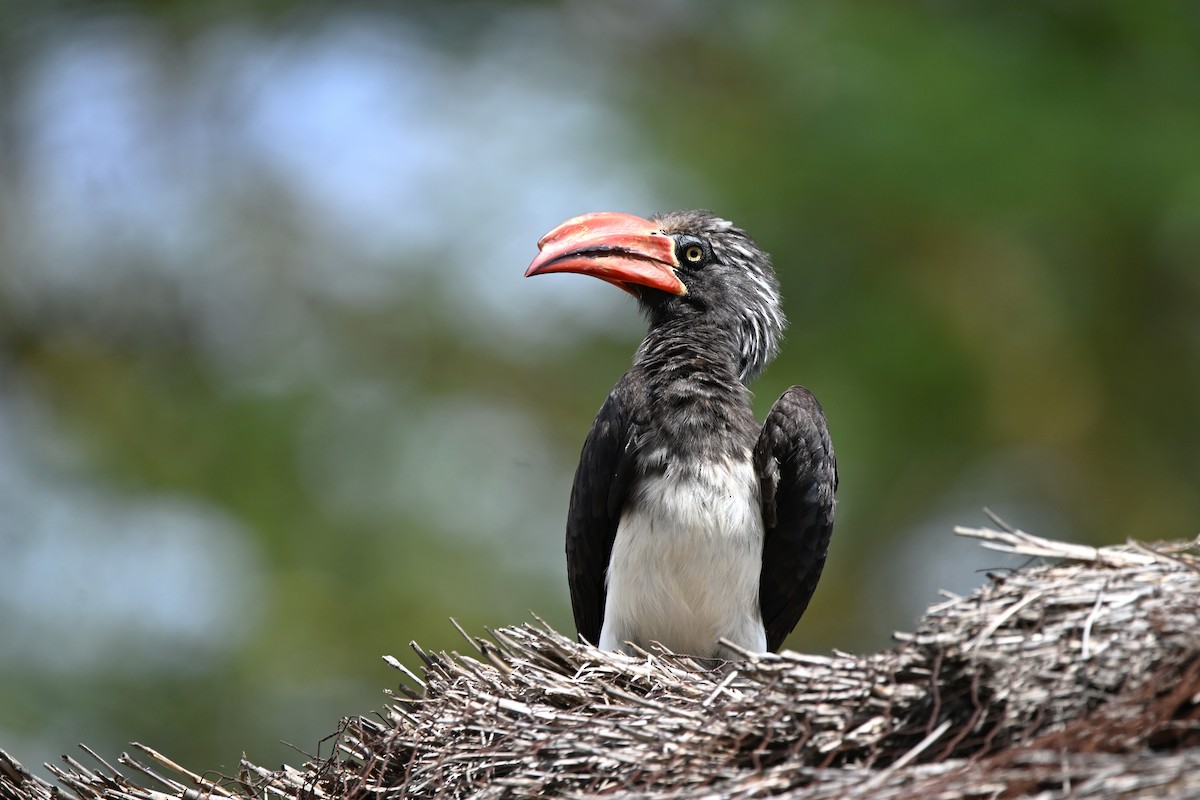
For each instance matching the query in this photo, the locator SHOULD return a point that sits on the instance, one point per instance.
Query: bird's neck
(699, 406)
(743, 341)
(689, 350)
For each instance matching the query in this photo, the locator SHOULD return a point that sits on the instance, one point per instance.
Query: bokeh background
(275, 399)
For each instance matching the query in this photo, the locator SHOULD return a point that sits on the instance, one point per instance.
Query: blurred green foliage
(986, 220)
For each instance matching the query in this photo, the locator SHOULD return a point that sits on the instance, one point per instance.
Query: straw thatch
(1080, 678)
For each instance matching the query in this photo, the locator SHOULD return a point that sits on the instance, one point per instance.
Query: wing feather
(798, 475)
(598, 497)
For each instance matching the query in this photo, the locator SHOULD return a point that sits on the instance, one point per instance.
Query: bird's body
(692, 518)
(684, 533)
(689, 523)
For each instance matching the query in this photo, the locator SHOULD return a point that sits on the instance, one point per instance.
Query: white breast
(686, 561)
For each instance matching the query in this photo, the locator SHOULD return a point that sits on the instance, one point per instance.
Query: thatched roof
(1079, 678)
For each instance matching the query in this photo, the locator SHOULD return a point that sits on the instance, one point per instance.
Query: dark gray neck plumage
(698, 409)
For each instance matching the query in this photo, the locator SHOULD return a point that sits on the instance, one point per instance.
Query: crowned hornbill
(689, 523)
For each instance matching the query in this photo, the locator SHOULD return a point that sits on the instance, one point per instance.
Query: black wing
(798, 474)
(601, 486)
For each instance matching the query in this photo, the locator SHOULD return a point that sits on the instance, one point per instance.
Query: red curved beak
(622, 249)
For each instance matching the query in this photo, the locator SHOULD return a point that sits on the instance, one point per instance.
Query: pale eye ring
(694, 253)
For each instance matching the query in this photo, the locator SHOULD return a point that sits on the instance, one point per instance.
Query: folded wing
(602, 481)
(798, 473)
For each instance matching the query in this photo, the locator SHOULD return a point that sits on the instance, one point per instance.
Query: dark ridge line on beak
(600, 251)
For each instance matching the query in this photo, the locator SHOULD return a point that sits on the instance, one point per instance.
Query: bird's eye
(692, 251)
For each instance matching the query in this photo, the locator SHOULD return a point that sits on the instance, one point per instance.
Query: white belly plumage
(685, 565)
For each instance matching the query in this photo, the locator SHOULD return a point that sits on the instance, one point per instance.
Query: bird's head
(682, 266)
